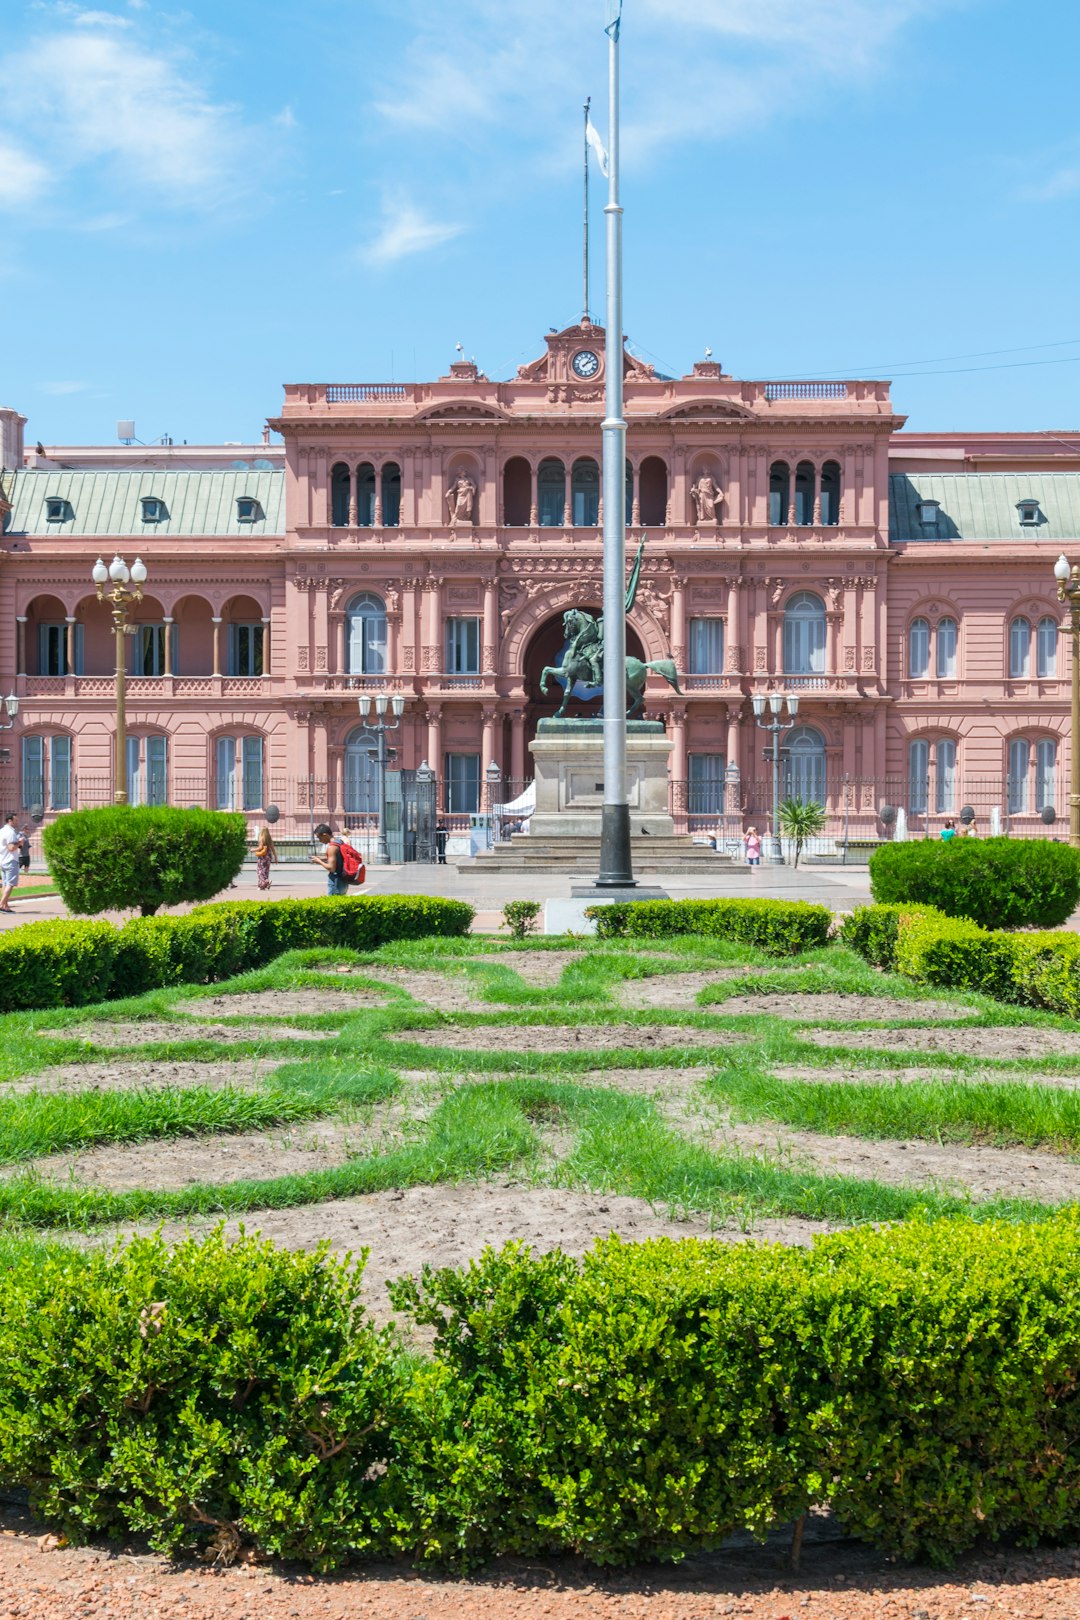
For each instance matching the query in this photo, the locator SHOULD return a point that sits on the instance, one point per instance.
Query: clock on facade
(585, 363)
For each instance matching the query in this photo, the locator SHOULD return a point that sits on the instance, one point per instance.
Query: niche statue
(459, 500)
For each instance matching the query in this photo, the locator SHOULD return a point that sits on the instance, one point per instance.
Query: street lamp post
(11, 704)
(379, 703)
(1068, 590)
(775, 726)
(121, 599)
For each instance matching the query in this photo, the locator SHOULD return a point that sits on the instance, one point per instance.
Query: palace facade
(425, 539)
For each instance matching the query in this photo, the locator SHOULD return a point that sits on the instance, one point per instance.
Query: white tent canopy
(522, 806)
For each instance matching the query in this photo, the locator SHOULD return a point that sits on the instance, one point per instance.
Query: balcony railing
(360, 393)
(806, 390)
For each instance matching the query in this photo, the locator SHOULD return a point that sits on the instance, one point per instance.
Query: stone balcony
(154, 687)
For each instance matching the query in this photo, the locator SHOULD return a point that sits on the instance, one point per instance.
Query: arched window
(779, 492)
(147, 769)
(365, 495)
(805, 479)
(804, 773)
(551, 493)
(1046, 640)
(46, 772)
(391, 494)
(945, 773)
(946, 649)
(1046, 755)
(1017, 785)
(652, 491)
(238, 763)
(1020, 649)
(918, 649)
(918, 776)
(830, 493)
(365, 652)
(361, 788)
(339, 495)
(517, 492)
(804, 635)
(585, 493)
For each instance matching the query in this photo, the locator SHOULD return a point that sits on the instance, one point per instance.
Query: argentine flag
(592, 135)
(614, 16)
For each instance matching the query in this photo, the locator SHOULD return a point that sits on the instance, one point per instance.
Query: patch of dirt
(282, 1003)
(449, 1226)
(144, 1076)
(658, 1083)
(678, 992)
(453, 991)
(857, 1077)
(539, 969)
(985, 1172)
(568, 1037)
(147, 1030)
(844, 1008)
(175, 1162)
(1016, 1042)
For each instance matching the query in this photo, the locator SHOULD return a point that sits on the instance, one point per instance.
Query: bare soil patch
(568, 1037)
(985, 1172)
(866, 1077)
(148, 1030)
(175, 1162)
(540, 969)
(410, 1227)
(679, 991)
(283, 1003)
(843, 1008)
(1016, 1042)
(657, 1082)
(144, 1076)
(453, 991)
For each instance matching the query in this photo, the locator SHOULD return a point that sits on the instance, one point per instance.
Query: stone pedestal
(568, 761)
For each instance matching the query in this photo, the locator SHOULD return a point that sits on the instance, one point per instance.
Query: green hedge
(920, 1381)
(780, 927)
(71, 964)
(998, 882)
(145, 856)
(1035, 969)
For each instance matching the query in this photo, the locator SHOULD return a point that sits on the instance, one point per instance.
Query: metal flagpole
(615, 866)
(585, 242)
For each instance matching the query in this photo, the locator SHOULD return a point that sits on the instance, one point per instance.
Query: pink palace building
(424, 539)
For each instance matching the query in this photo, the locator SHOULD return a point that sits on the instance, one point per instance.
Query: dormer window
(1030, 516)
(154, 509)
(927, 513)
(248, 509)
(57, 509)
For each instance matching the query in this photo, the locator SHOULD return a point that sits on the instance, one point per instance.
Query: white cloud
(405, 230)
(100, 19)
(22, 178)
(63, 387)
(286, 118)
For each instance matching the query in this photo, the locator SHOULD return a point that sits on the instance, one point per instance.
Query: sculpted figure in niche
(706, 498)
(459, 500)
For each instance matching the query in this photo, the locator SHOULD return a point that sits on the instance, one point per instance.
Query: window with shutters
(919, 649)
(706, 785)
(1020, 649)
(147, 770)
(365, 635)
(463, 646)
(946, 649)
(1046, 640)
(245, 653)
(706, 649)
(462, 778)
(47, 772)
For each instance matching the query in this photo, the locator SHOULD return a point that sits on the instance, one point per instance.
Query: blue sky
(198, 204)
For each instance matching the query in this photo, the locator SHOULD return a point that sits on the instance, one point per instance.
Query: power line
(935, 360)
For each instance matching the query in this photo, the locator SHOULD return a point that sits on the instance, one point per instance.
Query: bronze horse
(583, 661)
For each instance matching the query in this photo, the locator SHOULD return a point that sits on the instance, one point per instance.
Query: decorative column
(354, 506)
(168, 644)
(534, 500)
(678, 621)
(735, 644)
(321, 495)
(20, 644)
(432, 650)
(491, 626)
(489, 489)
(734, 719)
(216, 622)
(488, 715)
(320, 759)
(635, 505)
(679, 767)
(517, 750)
(69, 644)
(393, 632)
(833, 622)
(266, 648)
(677, 490)
(434, 738)
(376, 517)
(815, 511)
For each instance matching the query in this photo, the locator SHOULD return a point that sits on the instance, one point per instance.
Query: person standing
(330, 859)
(24, 848)
(9, 860)
(948, 832)
(752, 845)
(265, 856)
(442, 833)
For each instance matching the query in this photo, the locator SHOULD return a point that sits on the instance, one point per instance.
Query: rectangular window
(462, 775)
(225, 756)
(245, 649)
(59, 773)
(1019, 760)
(134, 775)
(919, 650)
(52, 649)
(148, 650)
(155, 764)
(946, 649)
(1046, 649)
(706, 647)
(1019, 649)
(463, 647)
(706, 785)
(945, 761)
(33, 772)
(918, 777)
(251, 764)
(1046, 774)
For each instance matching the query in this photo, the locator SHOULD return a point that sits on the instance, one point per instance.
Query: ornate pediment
(708, 410)
(465, 410)
(576, 354)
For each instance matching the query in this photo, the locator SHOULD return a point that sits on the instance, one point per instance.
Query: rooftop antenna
(708, 353)
(460, 347)
(585, 233)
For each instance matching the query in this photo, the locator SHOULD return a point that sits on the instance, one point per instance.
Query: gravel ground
(1019, 1042)
(838, 1581)
(908, 1076)
(115, 1033)
(567, 1037)
(144, 1076)
(282, 1003)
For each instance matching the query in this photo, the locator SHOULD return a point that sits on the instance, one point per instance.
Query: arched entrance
(545, 648)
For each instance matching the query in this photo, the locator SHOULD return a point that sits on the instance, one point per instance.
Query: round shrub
(127, 856)
(998, 882)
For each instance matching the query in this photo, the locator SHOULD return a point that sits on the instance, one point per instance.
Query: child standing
(265, 856)
(752, 843)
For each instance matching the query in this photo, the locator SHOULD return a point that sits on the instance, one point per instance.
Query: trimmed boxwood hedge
(145, 856)
(656, 1398)
(72, 963)
(780, 927)
(998, 882)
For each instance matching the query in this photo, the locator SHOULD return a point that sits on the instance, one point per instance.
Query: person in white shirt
(10, 848)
